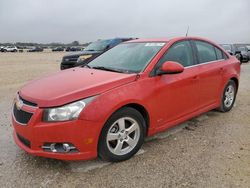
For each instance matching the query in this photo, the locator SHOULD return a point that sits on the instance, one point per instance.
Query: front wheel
(228, 97)
(122, 135)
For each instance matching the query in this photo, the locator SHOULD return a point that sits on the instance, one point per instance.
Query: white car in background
(1, 48)
(11, 49)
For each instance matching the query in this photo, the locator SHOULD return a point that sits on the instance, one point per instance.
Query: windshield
(98, 45)
(226, 47)
(128, 57)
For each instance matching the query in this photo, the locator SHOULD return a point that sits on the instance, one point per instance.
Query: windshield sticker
(155, 44)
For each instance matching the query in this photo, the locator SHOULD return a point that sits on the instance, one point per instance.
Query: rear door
(211, 67)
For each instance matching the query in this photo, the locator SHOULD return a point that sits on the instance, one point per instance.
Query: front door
(176, 94)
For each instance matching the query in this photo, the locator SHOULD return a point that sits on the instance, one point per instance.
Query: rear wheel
(228, 98)
(122, 135)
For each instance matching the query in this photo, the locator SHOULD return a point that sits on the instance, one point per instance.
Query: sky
(45, 21)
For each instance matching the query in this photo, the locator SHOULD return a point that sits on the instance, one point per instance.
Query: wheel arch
(142, 111)
(139, 107)
(236, 81)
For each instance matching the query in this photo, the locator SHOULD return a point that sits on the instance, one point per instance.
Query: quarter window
(219, 54)
(206, 52)
(180, 52)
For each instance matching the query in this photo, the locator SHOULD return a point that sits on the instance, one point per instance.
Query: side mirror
(170, 67)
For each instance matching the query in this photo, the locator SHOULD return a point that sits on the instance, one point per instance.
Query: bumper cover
(82, 134)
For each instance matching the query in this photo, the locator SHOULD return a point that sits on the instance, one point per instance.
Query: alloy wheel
(123, 136)
(229, 96)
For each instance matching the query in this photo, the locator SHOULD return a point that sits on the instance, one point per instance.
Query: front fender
(105, 104)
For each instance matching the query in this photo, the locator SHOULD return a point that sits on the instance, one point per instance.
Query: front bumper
(81, 133)
(67, 66)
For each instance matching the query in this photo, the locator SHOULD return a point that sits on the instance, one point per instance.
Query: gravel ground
(212, 150)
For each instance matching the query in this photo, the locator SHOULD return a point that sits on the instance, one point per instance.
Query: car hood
(71, 85)
(81, 53)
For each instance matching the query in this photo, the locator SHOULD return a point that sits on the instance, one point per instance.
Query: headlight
(83, 57)
(67, 112)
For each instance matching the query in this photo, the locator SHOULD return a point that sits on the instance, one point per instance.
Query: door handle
(195, 77)
(221, 70)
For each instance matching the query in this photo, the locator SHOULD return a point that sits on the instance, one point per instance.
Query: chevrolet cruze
(134, 90)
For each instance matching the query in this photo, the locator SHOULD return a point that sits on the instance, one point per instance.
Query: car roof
(168, 39)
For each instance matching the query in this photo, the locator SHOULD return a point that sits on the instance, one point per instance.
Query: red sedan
(134, 90)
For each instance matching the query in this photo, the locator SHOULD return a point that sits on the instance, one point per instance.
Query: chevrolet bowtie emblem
(19, 104)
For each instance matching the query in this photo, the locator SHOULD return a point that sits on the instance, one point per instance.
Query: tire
(122, 135)
(228, 97)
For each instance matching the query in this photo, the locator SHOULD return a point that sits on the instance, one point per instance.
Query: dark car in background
(73, 49)
(92, 51)
(36, 49)
(232, 49)
(244, 52)
(58, 49)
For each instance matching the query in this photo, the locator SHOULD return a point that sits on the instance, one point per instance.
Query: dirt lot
(214, 151)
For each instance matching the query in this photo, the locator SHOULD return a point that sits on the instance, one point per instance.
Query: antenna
(187, 31)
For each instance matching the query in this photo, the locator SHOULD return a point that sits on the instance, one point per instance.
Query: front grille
(21, 116)
(27, 102)
(70, 59)
(23, 140)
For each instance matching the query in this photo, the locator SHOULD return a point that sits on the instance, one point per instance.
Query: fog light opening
(59, 147)
(66, 147)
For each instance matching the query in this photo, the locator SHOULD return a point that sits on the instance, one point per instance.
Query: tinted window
(98, 45)
(180, 52)
(219, 54)
(206, 52)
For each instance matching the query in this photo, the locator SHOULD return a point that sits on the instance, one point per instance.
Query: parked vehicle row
(73, 49)
(35, 49)
(58, 49)
(133, 90)
(241, 52)
(40, 49)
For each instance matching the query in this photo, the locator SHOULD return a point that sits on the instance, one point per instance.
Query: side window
(219, 53)
(206, 52)
(180, 52)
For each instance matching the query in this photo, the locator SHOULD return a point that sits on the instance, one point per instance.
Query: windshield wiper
(90, 50)
(87, 66)
(107, 69)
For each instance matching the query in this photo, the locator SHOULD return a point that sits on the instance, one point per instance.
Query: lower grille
(21, 116)
(72, 59)
(64, 66)
(23, 140)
